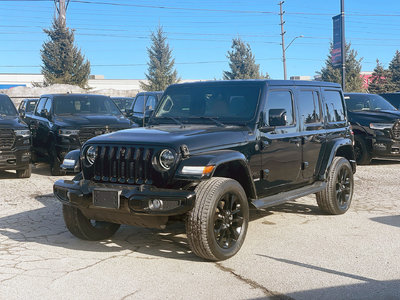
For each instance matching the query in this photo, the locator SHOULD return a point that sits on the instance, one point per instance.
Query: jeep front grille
(7, 138)
(396, 130)
(88, 133)
(121, 164)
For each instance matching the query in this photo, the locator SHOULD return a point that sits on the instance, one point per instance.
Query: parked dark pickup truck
(376, 126)
(64, 122)
(15, 140)
(210, 151)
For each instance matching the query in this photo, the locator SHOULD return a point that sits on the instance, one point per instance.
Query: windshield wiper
(157, 120)
(214, 120)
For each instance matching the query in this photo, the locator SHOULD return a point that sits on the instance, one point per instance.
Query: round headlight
(91, 155)
(166, 159)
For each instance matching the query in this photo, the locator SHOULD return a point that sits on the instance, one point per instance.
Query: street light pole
(343, 46)
(284, 54)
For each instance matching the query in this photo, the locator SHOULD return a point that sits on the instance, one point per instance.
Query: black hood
(366, 117)
(12, 122)
(78, 121)
(195, 137)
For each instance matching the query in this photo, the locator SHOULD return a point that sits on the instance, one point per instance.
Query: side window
(48, 105)
(334, 106)
(280, 101)
(150, 103)
(40, 106)
(309, 106)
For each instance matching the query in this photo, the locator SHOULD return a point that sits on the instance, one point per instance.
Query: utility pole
(343, 47)
(61, 8)
(283, 40)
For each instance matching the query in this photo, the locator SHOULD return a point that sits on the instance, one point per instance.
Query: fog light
(155, 204)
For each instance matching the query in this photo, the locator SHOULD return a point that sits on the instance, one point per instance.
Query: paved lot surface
(291, 251)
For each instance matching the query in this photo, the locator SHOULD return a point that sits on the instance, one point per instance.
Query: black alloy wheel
(343, 187)
(228, 221)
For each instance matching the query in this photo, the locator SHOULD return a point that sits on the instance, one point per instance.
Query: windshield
(123, 103)
(227, 103)
(367, 102)
(85, 105)
(7, 108)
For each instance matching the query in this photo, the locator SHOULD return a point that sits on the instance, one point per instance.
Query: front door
(280, 148)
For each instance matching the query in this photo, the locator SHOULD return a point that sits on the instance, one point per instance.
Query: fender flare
(217, 159)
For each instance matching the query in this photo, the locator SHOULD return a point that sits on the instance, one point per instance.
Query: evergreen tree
(161, 72)
(62, 61)
(330, 73)
(380, 80)
(242, 62)
(394, 69)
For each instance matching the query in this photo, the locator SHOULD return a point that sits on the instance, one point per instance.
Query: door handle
(295, 140)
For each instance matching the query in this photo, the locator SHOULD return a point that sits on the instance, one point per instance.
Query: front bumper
(385, 147)
(133, 200)
(16, 159)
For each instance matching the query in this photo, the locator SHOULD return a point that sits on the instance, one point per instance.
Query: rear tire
(337, 196)
(25, 173)
(216, 227)
(87, 229)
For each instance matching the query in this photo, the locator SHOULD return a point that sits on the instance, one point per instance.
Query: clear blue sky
(114, 35)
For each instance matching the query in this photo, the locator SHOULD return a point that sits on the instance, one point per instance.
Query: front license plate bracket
(106, 198)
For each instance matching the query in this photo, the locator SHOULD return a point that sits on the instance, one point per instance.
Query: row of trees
(64, 63)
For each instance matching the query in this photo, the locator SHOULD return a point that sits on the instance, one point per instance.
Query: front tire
(363, 157)
(216, 227)
(86, 229)
(337, 196)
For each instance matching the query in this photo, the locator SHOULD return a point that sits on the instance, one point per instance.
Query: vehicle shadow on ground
(45, 225)
(388, 220)
(370, 288)
(9, 174)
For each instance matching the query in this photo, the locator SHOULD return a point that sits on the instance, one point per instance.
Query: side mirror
(71, 161)
(44, 113)
(129, 112)
(277, 117)
(21, 113)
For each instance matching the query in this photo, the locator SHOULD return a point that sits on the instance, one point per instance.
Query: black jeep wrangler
(15, 140)
(63, 122)
(211, 150)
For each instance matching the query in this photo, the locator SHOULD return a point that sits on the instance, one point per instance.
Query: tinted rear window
(334, 106)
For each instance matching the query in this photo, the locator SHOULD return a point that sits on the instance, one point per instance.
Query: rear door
(312, 127)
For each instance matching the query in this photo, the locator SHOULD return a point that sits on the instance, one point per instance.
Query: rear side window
(334, 107)
(309, 107)
(281, 100)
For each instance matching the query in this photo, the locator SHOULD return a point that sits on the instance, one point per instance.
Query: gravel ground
(292, 251)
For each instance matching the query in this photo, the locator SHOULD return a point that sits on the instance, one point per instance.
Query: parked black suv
(143, 107)
(15, 140)
(63, 122)
(376, 126)
(210, 151)
(393, 98)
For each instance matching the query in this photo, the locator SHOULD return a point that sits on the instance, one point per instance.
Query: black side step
(290, 195)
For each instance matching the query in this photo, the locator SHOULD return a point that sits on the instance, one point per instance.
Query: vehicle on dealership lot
(27, 106)
(393, 98)
(376, 126)
(63, 122)
(211, 150)
(123, 103)
(143, 107)
(15, 140)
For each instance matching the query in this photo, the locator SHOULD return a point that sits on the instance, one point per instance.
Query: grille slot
(396, 130)
(7, 138)
(121, 164)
